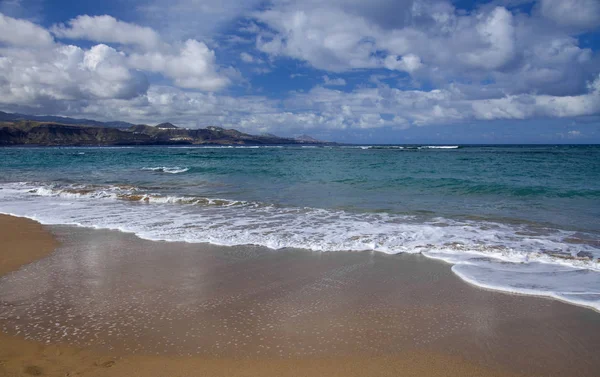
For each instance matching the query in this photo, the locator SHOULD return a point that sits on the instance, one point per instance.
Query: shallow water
(522, 219)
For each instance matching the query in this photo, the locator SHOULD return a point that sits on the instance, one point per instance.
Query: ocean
(523, 219)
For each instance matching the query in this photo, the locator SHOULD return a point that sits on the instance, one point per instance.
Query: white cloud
(412, 107)
(188, 109)
(34, 70)
(37, 72)
(433, 42)
(409, 63)
(185, 19)
(107, 29)
(190, 64)
(29, 9)
(246, 57)
(250, 59)
(323, 109)
(496, 36)
(193, 66)
(66, 73)
(333, 81)
(577, 14)
(532, 65)
(23, 33)
(327, 38)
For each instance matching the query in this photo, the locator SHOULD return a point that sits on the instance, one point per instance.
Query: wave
(439, 147)
(519, 258)
(127, 193)
(412, 148)
(553, 280)
(170, 170)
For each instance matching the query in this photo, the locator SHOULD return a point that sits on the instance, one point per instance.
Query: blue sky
(383, 71)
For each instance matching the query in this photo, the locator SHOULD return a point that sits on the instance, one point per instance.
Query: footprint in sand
(106, 364)
(33, 370)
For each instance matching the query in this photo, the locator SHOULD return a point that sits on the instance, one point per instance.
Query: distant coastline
(19, 129)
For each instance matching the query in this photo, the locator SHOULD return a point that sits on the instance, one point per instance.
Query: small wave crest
(411, 147)
(440, 147)
(125, 193)
(170, 170)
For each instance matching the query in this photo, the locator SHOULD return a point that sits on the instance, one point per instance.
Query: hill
(43, 133)
(13, 117)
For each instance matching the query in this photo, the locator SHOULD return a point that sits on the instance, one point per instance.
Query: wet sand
(108, 303)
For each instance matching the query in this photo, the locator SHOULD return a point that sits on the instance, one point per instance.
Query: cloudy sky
(378, 71)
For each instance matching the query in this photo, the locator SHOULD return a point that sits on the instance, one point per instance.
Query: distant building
(166, 126)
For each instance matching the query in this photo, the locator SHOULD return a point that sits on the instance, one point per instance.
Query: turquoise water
(505, 217)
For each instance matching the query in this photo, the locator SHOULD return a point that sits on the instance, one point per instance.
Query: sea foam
(166, 169)
(517, 258)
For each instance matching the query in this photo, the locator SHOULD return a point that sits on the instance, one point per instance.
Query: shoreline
(454, 354)
(462, 277)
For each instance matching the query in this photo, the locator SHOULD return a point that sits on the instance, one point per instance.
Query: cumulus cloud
(488, 63)
(433, 41)
(32, 61)
(496, 39)
(384, 106)
(324, 109)
(190, 64)
(35, 70)
(329, 39)
(23, 33)
(193, 66)
(66, 73)
(185, 108)
(107, 29)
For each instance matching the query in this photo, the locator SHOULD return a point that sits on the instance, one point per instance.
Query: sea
(523, 219)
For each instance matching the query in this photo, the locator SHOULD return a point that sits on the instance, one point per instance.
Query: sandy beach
(106, 303)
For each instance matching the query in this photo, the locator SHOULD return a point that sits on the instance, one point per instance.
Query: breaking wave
(412, 148)
(510, 257)
(170, 170)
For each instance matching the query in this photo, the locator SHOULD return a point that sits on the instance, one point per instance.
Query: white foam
(166, 169)
(499, 256)
(440, 147)
(577, 283)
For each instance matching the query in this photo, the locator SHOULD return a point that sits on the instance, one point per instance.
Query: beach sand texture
(107, 303)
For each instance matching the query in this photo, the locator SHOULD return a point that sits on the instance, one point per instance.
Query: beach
(300, 188)
(108, 303)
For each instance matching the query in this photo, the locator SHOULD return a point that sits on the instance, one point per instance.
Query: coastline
(497, 327)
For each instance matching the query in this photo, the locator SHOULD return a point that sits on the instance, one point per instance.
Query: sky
(356, 71)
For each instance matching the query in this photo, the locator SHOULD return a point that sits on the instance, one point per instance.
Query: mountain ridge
(4, 116)
(14, 130)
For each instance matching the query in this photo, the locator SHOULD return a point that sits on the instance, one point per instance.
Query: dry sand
(253, 312)
(22, 241)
